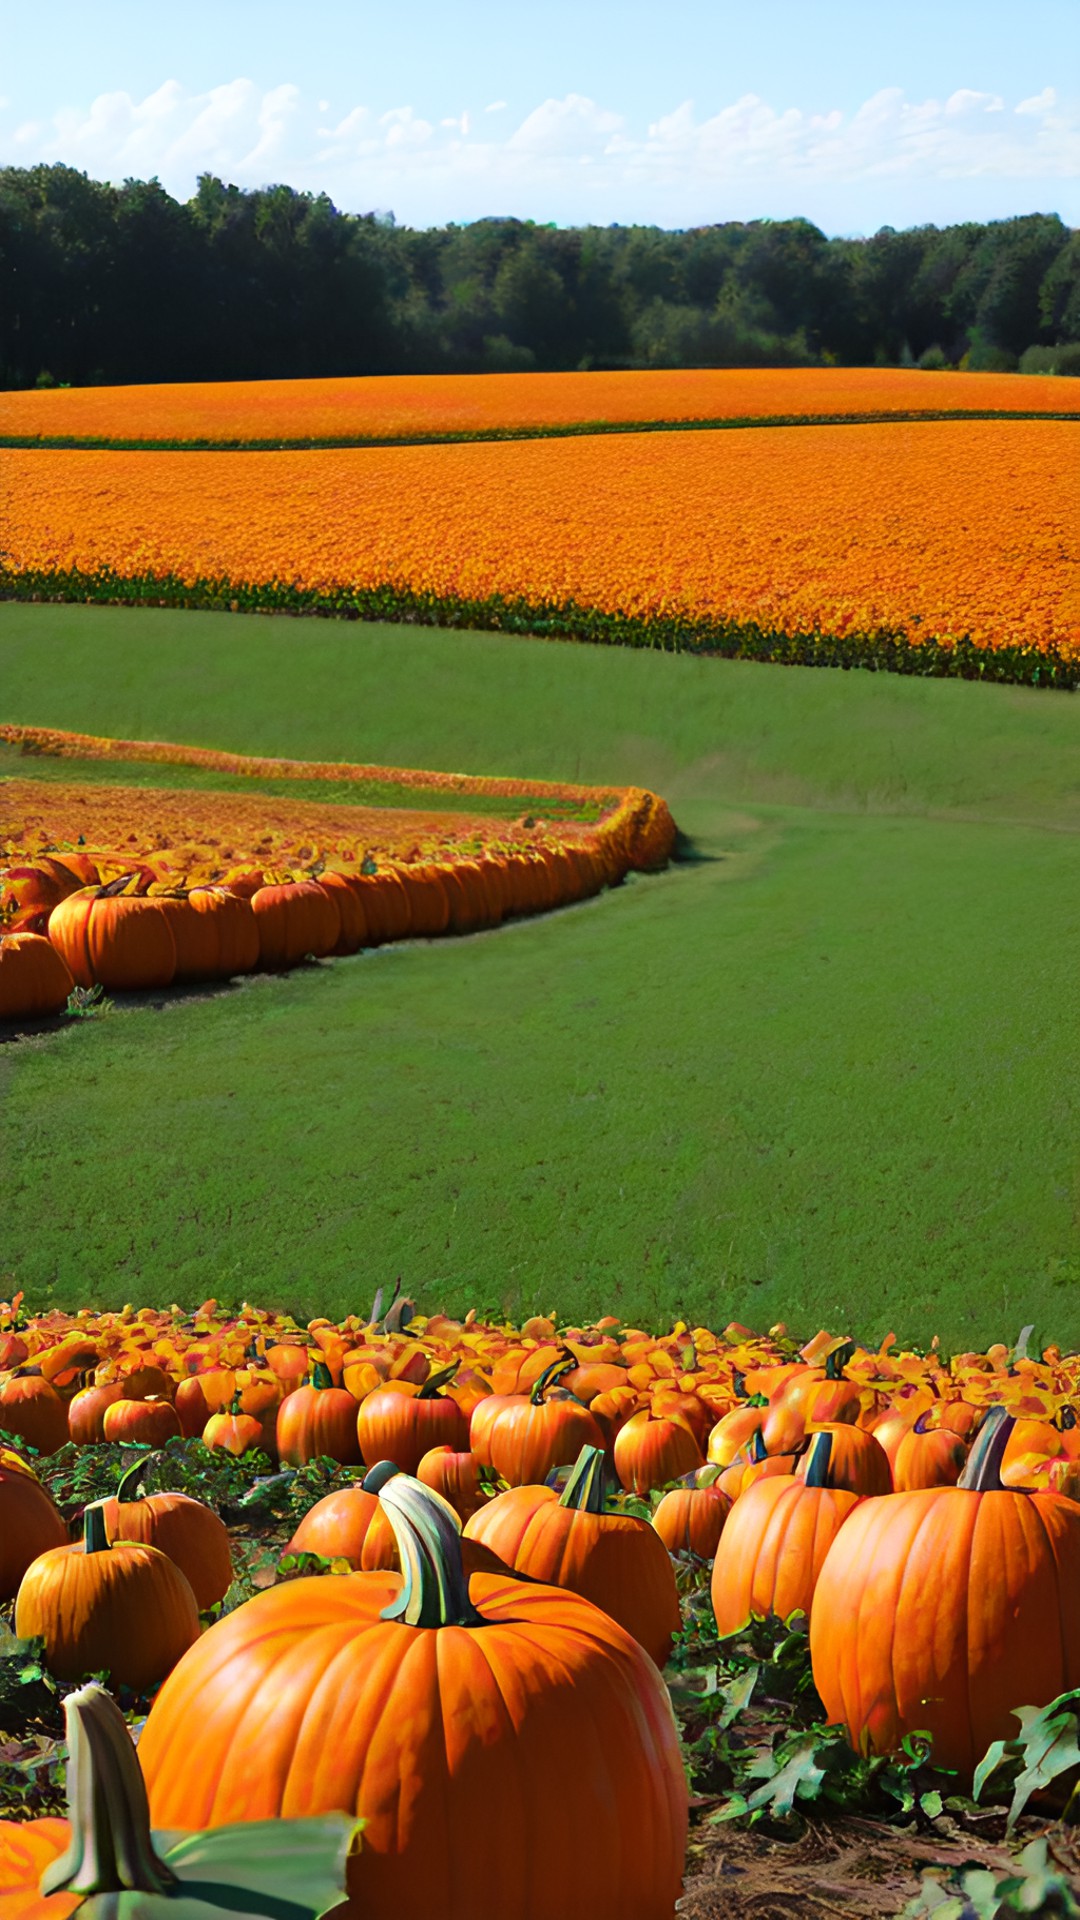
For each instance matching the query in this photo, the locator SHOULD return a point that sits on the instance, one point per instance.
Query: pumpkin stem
(111, 1849)
(430, 1388)
(757, 1449)
(818, 1461)
(95, 1538)
(550, 1375)
(837, 1360)
(134, 1475)
(321, 1376)
(377, 1476)
(435, 1590)
(983, 1471)
(585, 1488)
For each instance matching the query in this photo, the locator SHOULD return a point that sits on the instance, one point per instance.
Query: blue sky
(684, 112)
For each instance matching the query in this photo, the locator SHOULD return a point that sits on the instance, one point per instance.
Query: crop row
(464, 406)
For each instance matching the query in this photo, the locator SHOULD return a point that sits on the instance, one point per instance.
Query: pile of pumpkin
(508, 1643)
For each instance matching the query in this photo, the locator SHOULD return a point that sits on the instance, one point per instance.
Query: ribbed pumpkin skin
(150, 1422)
(945, 1609)
(548, 1716)
(345, 893)
(856, 1460)
(649, 1452)
(317, 1421)
(35, 979)
(931, 1459)
(773, 1548)
(117, 942)
(86, 1412)
(348, 1525)
(456, 1475)
(190, 1533)
(27, 1847)
(619, 1563)
(129, 1610)
(215, 933)
(293, 920)
(691, 1520)
(524, 1442)
(402, 1428)
(29, 1525)
(33, 1411)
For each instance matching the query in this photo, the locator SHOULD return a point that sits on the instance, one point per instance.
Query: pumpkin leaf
(799, 1778)
(1047, 1747)
(258, 1870)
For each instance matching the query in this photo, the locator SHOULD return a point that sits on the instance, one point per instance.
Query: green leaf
(931, 1803)
(1047, 1746)
(799, 1779)
(288, 1868)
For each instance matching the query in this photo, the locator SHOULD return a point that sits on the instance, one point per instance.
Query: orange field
(933, 532)
(401, 405)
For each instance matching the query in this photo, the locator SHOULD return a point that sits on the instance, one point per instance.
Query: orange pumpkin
(856, 1460)
(117, 940)
(691, 1520)
(190, 1532)
(234, 1431)
(571, 1540)
(124, 1609)
(35, 980)
(928, 1457)
(651, 1452)
(525, 1435)
(399, 1424)
(461, 1689)
(145, 1422)
(295, 919)
(456, 1476)
(32, 1410)
(29, 1525)
(318, 1421)
(215, 933)
(348, 1525)
(997, 1564)
(775, 1540)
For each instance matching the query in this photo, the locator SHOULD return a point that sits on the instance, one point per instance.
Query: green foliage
(979, 1893)
(1045, 1754)
(83, 1003)
(1064, 359)
(797, 1059)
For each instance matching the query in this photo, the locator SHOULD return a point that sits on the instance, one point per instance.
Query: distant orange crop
(933, 533)
(402, 405)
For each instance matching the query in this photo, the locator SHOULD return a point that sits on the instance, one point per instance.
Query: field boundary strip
(882, 650)
(586, 429)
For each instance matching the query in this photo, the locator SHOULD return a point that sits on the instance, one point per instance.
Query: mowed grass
(825, 1070)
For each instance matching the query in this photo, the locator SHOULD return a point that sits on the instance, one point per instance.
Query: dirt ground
(850, 1869)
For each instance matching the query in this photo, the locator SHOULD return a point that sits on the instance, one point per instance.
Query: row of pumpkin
(66, 925)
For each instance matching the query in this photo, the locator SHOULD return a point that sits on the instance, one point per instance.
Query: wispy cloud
(575, 156)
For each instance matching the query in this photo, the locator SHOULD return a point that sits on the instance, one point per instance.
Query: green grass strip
(89, 443)
(882, 651)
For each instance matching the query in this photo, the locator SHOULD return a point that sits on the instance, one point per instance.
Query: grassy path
(824, 1070)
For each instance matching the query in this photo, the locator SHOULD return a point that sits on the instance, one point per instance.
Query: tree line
(106, 284)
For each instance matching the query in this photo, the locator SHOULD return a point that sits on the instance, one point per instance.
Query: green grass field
(825, 1070)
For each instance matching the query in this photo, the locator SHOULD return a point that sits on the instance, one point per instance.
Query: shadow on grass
(686, 852)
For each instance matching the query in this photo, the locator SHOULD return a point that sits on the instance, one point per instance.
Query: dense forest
(103, 284)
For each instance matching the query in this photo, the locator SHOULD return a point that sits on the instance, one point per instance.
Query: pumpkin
(295, 919)
(456, 1476)
(733, 1430)
(932, 1611)
(144, 1422)
(571, 1540)
(832, 1400)
(928, 1457)
(125, 1609)
(29, 1524)
(234, 1431)
(856, 1460)
(691, 1519)
(348, 1525)
(524, 1435)
(191, 1533)
(419, 1698)
(348, 898)
(398, 1424)
(32, 1410)
(35, 980)
(116, 940)
(651, 1452)
(773, 1546)
(215, 933)
(429, 908)
(385, 904)
(318, 1421)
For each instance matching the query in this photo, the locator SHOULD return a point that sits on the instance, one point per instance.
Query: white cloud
(577, 158)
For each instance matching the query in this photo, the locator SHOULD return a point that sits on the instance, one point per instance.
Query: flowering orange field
(933, 534)
(402, 405)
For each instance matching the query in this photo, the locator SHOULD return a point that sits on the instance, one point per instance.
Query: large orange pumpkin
(651, 1452)
(117, 940)
(125, 1609)
(928, 1457)
(856, 1460)
(421, 1699)
(215, 932)
(775, 1540)
(295, 919)
(456, 1476)
(571, 1540)
(146, 1422)
(946, 1608)
(691, 1520)
(351, 1525)
(32, 1410)
(524, 1435)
